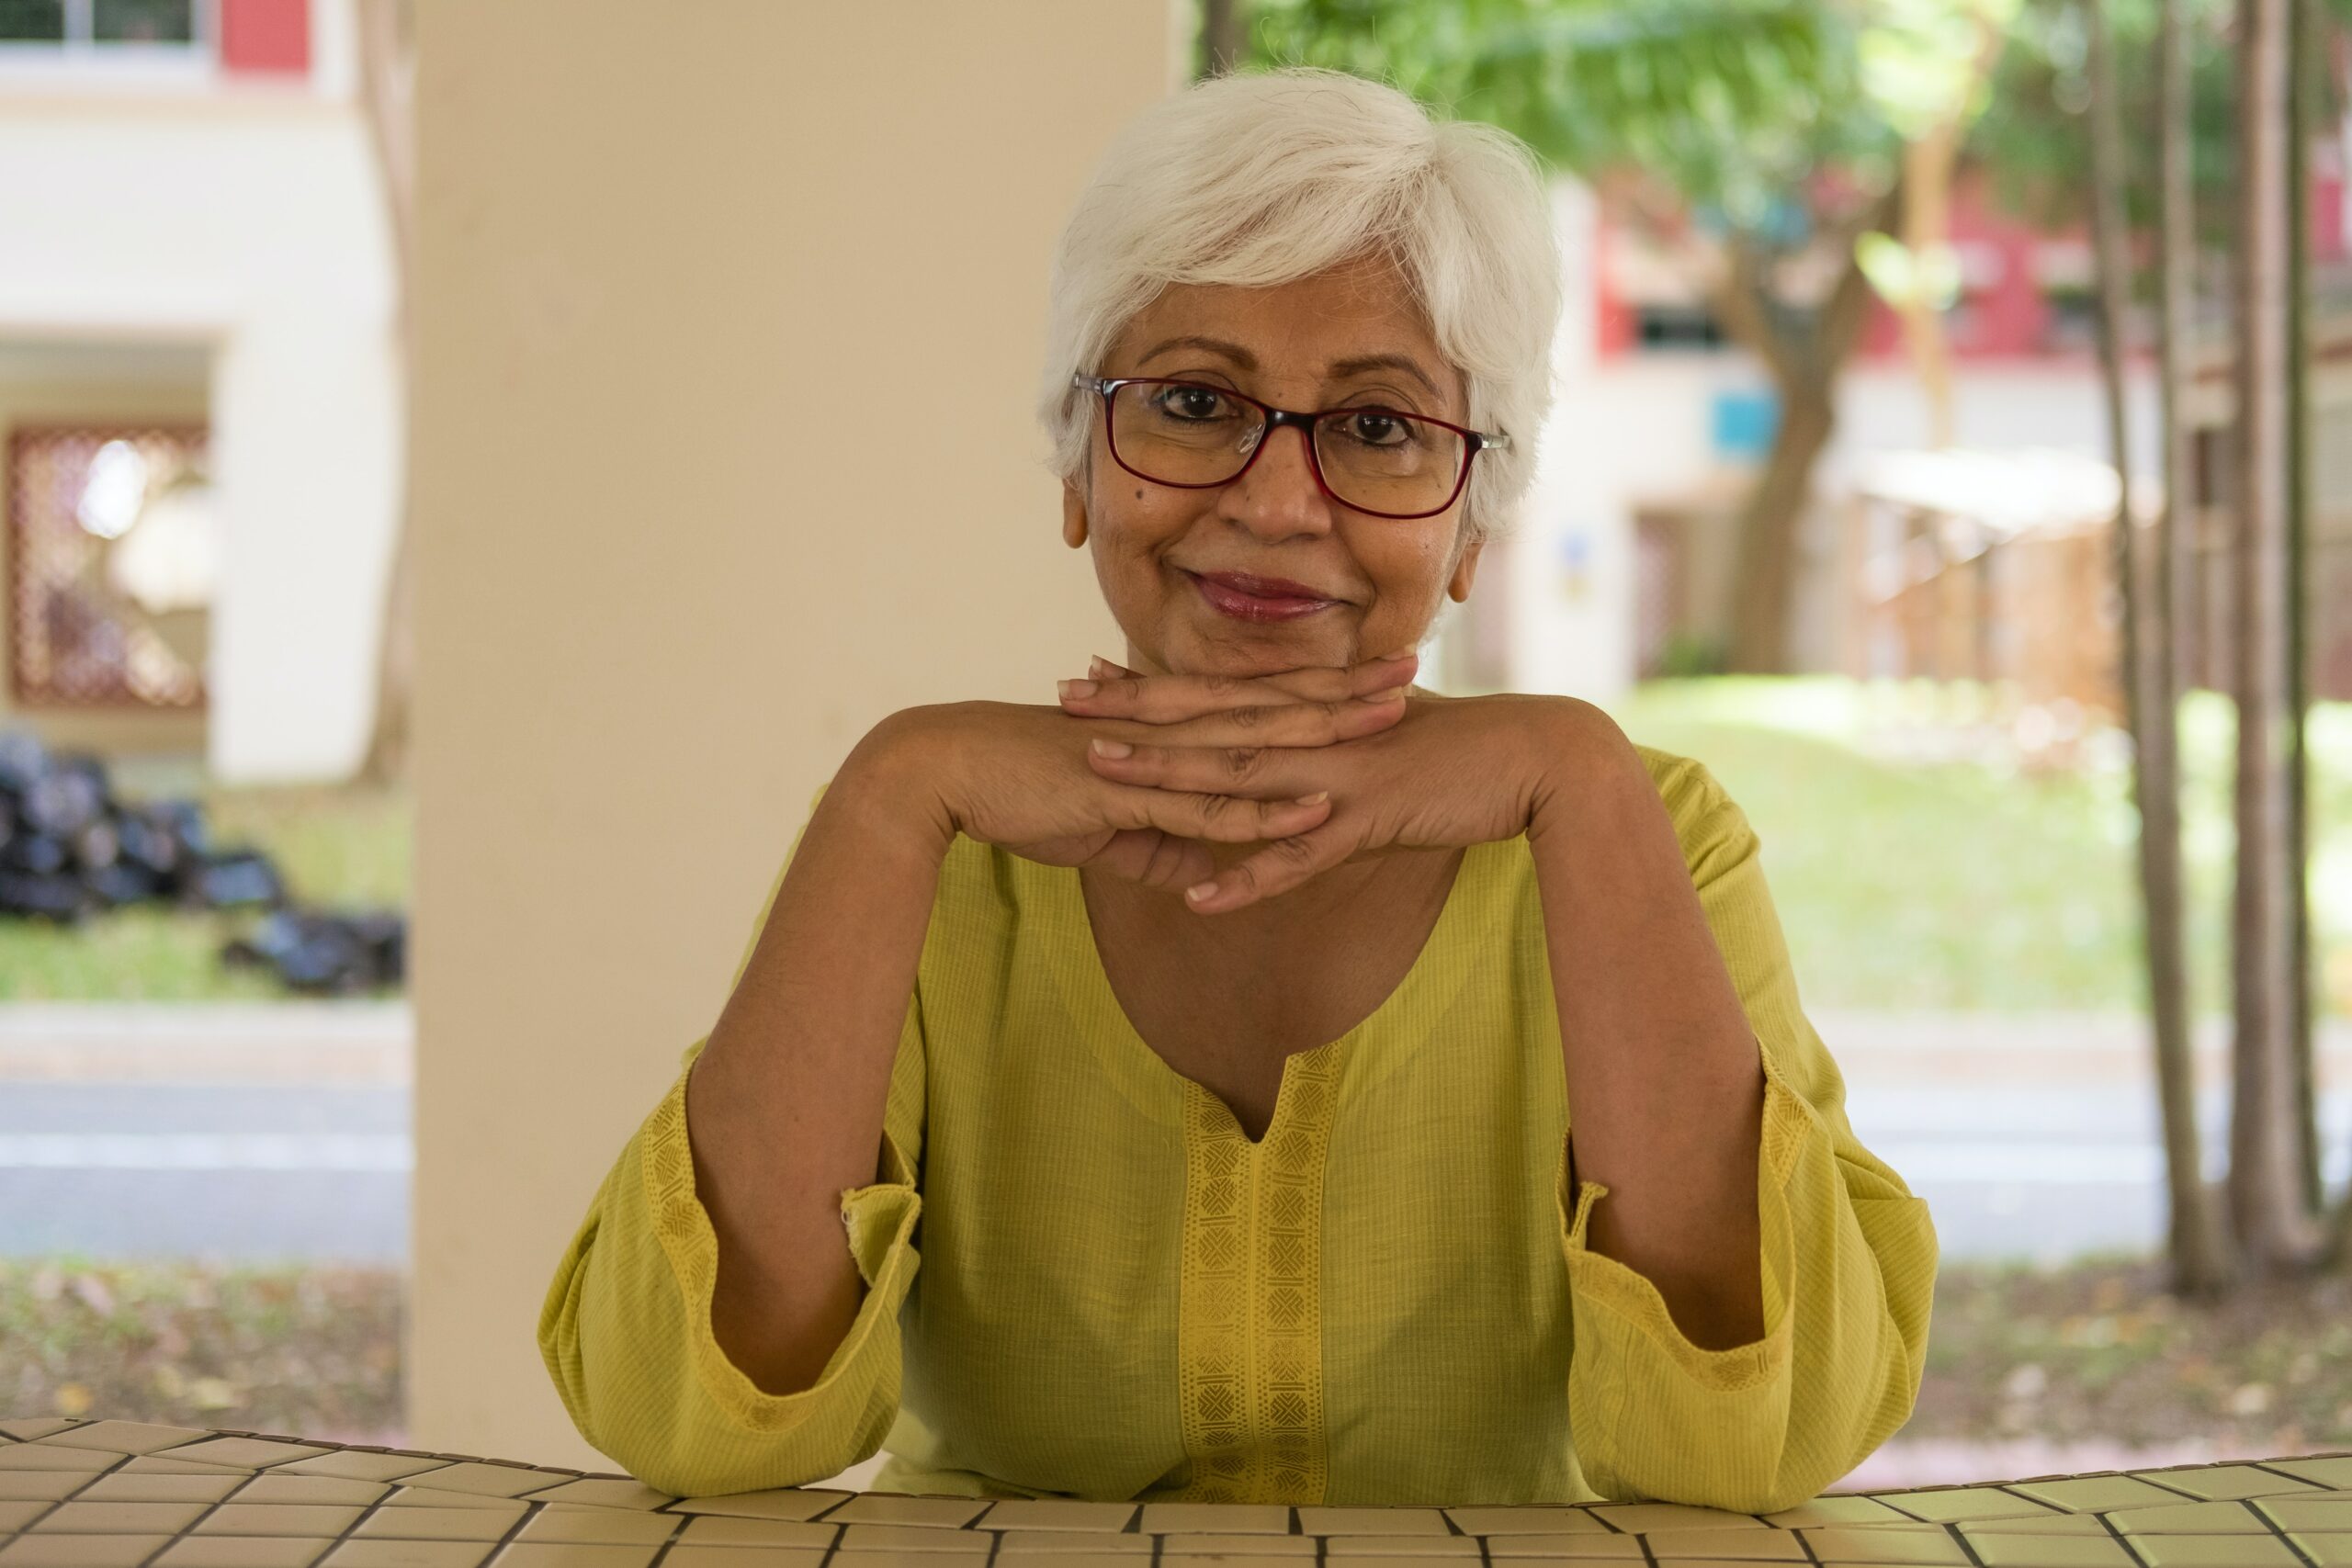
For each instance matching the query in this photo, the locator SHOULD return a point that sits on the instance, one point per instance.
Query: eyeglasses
(1193, 436)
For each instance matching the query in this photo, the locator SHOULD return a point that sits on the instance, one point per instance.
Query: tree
(2268, 1205)
(1741, 135)
(2149, 590)
(1224, 32)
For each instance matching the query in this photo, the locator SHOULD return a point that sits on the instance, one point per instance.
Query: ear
(1464, 571)
(1073, 514)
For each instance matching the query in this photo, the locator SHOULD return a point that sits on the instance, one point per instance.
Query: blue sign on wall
(1745, 423)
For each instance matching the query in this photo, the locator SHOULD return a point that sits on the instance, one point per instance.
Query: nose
(1277, 496)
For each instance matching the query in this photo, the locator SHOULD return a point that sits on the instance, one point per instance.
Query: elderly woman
(1252, 1077)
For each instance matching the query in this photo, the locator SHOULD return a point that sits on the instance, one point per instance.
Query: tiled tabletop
(127, 1494)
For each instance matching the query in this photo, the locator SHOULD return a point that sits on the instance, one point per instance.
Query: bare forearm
(1665, 1089)
(785, 1105)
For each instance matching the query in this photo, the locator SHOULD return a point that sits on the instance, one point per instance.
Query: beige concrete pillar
(729, 316)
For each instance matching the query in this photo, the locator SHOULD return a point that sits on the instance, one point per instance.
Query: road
(282, 1133)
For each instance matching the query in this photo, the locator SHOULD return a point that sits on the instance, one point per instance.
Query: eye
(1377, 427)
(1192, 403)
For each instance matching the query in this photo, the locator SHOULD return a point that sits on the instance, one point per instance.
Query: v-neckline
(1095, 979)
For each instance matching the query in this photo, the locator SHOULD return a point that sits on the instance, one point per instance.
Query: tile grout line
(678, 1532)
(2277, 1532)
(2117, 1536)
(1967, 1547)
(530, 1511)
(93, 1478)
(188, 1529)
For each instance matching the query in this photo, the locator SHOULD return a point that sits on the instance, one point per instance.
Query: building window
(1677, 326)
(101, 29)
(109, 586)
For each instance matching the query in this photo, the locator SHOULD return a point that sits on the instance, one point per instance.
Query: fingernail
(1078, 688)
(1318, 798)
(1098, 668)
(1399, 657)
(1200, 891)
(1112, 747)
(1390, 696)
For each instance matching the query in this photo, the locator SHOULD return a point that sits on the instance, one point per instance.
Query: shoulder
(1710, 824)
(1685, 784)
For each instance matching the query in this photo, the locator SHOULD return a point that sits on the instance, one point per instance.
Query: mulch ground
(2092, 1353)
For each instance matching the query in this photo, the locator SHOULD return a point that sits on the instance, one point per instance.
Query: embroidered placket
(1250, 1331)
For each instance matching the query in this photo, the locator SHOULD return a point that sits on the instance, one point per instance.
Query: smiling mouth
(1230, 595)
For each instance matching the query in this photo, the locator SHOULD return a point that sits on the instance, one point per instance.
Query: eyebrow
(1343, 369)
(1339, 369)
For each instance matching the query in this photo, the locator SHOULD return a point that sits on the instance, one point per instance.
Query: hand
(1450, 772)
(1017, 776)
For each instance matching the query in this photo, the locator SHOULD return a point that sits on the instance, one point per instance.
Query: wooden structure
(1992, 567)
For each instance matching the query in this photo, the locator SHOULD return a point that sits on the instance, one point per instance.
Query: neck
(1274, 925)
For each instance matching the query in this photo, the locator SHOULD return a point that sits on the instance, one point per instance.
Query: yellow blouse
(1386, 1300)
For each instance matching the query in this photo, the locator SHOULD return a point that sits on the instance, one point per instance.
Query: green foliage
(1734, 104)
(1688, 653)
(2034, 141)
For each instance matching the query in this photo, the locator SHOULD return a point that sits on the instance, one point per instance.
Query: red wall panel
(265, 36)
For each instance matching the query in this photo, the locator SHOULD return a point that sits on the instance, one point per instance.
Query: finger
(1365, 675)
(1218, 819)
(1276, 869)
(1286, 723)
(1261, 772)
(1156, 859)
(1167, 699)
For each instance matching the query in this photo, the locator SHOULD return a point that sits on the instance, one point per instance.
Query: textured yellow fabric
(1388, 1299)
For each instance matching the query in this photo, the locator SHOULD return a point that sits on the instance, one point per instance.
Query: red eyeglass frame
(1472, 441)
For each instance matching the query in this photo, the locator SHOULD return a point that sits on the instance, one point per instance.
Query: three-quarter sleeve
(626, 1328)
(1848, 1260)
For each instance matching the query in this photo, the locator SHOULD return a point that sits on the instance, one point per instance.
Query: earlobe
(1073, 515)
(1464, 571)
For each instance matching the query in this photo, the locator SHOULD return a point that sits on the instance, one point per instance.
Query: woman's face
(1349, 335)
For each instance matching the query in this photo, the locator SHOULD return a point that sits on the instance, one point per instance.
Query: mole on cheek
(1138, 495)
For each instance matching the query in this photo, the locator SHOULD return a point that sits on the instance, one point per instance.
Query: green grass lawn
(1966, 885)
(337, 848)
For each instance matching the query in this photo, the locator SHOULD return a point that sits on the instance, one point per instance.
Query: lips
(1263, 599)
(1275, 588)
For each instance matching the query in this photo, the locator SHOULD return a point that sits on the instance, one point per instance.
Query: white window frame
(80, 59)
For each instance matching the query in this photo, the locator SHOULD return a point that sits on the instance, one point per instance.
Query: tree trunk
(387, 81)
(1770, 519)
(2301, 52)
(1225, 36)
(2272, 1222)
(1805, 361)
(2157, 577)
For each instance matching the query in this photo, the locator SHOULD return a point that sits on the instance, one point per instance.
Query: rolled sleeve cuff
(1638, 1328)
(880, 1223)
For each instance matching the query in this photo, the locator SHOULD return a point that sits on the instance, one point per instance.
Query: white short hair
(1264, 178)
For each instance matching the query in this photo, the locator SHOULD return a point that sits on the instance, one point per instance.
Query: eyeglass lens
(1181, 433)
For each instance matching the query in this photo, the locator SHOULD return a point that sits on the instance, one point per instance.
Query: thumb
(1156, 859)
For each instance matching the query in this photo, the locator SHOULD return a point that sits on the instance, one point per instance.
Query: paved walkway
(332, 1042)
(282, 1130)
(212, 1043)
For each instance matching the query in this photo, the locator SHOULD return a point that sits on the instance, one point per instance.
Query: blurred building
(1625, 564)
(199, 403)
